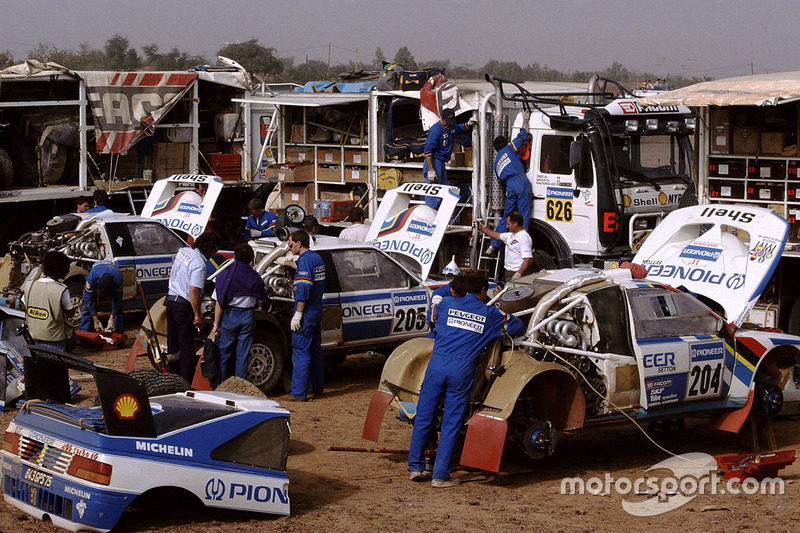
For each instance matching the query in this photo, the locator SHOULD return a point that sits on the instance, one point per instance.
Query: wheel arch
(555, 245)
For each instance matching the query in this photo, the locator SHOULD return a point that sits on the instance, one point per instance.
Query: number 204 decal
(559, 210)
(705, 380)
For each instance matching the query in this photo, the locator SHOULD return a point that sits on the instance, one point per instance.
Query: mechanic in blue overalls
(439, 146)
(260, 223)
(509, 170)
(441, 292)
(464, 326)
(308, 372)
(103, 282)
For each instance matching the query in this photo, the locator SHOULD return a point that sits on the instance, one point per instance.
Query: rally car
(603, 346)
(81, 467)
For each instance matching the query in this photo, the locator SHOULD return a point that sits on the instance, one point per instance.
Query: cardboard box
(772, 142)
(329, 174)
(169, 159)
(720, 131)
(412, 175)
(329, 156)
(290, 174)
(745, 141)
(296, 154)
(468, 156)
(356, 175)
(335, 195)
(457, 159)
(356, 157)
(302, 195)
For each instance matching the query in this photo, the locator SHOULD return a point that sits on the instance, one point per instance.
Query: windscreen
(652, 158)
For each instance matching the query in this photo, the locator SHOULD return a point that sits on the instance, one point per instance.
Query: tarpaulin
(760, 90)
(128, 105)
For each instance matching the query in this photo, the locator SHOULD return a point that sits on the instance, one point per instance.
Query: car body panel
(183, 211)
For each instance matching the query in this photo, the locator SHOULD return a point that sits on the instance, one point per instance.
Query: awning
(760, 90)
(306, 100)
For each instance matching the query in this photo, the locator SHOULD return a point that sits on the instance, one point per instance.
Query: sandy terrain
(369, 492)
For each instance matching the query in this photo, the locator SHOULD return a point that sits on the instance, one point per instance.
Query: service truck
(746, 147)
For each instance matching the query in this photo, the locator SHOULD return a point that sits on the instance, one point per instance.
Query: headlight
(631, 125)
(673, 126)
(690, 124)
(652, 124)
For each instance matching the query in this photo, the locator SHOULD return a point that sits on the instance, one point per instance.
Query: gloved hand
(98, 326)
(471, 122)
(111, 321)
(255, 233)
(298, 316)
(516, 275)
(526, 115)
(432, 177)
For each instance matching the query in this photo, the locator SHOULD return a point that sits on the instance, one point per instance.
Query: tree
(257, 59)
(173, 60)
(120, 55)
(6, 58)
(509, 70)
(404, 57)
(379, 58)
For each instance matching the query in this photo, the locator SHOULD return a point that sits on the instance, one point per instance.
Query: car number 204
(409, 319)
(705, 380)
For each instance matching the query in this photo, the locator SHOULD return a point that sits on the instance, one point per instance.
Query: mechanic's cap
(449, 115)
(105, 286)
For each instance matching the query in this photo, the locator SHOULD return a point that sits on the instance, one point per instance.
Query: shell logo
(662, 198)
(126, 406)
(627, 200)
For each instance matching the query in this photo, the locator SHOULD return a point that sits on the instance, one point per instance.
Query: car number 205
(409, 319)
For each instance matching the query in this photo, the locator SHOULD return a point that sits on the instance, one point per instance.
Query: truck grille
(46, 456)
(38, 497)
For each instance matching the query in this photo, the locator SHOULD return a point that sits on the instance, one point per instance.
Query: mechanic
(308, 374)
(519, 246)
(239, 290)
(439, 146)
(464, 326)
(186, 282)
(48, 303)
(260, 223)
(100, 198)
(311, 225)
(104, 282)
(509, 170)
(358, 230)
(82, 204)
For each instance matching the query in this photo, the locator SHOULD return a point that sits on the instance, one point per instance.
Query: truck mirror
(575, 154)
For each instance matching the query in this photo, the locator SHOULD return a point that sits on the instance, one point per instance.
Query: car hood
(413, 230)
(726, 253)
(185, 210)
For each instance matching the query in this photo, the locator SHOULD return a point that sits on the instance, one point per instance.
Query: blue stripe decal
(370, 329)
(659, 340)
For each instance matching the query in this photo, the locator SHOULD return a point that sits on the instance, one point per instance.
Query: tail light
(11, 443)
(90, 470)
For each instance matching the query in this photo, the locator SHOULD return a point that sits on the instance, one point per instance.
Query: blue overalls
(439, 145)
(436, 297)
(519, 194)
(308, 374)
(265, 223)
(464, 326)
(90, 296)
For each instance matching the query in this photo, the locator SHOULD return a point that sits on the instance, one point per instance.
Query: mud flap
(731, 420)
(199, 381)
(483, 447)
(139, 348)
(377, 408)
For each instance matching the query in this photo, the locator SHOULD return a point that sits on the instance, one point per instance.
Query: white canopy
(760, 90)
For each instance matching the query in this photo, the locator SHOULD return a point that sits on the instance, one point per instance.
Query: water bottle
(317, 209)
(326, 209)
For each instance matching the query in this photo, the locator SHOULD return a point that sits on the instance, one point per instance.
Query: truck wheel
(543, 261)
(75, 289)
(265, 362)
(6, 169)
(160, 384)
(240, 386)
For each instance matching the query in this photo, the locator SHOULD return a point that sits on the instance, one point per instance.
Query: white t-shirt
(188, 270)
(519, 246)
(356, 232)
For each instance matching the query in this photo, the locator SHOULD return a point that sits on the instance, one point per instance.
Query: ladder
(492, 264)
(137, 197)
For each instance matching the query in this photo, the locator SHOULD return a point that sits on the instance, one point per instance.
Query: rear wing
(123, 399)
(184, 211)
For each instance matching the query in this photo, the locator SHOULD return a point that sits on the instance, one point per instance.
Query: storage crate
(727, 168)
(766, 169)
(340, 208)
(762, 190)
(726, 189)
(290, 173)
(227, 166)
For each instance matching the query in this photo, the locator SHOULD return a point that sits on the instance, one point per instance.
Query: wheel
(266, 361)
(6, 169)
(75, 289)
(240, 386)
(543, 261)
(159, 384)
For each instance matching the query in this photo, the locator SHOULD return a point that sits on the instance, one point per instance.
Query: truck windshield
(652, 158)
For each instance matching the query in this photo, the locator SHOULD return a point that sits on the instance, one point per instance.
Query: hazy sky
(701, 38)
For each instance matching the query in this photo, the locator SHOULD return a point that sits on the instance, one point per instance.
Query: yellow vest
(45, 316)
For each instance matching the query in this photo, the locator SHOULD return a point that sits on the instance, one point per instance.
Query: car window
(120, 240)
(361, 270)
(664, 313)
(154, 239)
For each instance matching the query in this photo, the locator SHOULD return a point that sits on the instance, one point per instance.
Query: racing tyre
(6, 169)
(266, 361)
(543, 261)
(75, 289)
(159, 384)
(240, 386)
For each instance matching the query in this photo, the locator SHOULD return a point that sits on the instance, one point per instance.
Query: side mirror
(575, 154)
